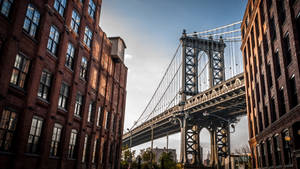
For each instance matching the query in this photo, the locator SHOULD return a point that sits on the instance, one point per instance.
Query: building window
(72, 144)
(272, 29)
(7, 129)
(31, 21)
(269, 3)
(94, 151)
(298, 26)
(277, 64)
(63, 96)
(5, 6)
(266, 46)
(269, 150)
(277, 150)
(262, 81)
(34, 135)
(83, 68)
(258, 153)
(92, 9)
(53, 40)
(87, 37)
(281, 11)
(70, 56)
(263, 154)
(20, 71)
(252, 38)
(256, 27)
(75, 22)
(286, 139)
(91, 112)
(287, 49)
(45, 84)
(269, 73)
(105, 120)
(260, 121)
(266, 116)
(262, 14)
(282, 108)
(84, 152)
(55, 142)
(98, 117)
(273, 110)
(59, 6)
(293, 92)
(78, 104)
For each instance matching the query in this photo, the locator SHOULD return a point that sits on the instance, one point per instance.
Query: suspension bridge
(202, 87)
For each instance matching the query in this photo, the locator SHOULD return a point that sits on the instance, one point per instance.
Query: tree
(166, 161)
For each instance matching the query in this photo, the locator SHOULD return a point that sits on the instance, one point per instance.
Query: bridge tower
(190, 143)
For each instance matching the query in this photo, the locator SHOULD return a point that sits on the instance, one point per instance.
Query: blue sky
(151, 30)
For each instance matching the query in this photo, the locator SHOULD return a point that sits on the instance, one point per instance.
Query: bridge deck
(226, 99)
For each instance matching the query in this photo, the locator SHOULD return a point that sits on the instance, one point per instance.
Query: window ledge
(17, 89)
(69, 69)
(54, 157)
(82, 79)
(52, 55)
(77, 117)
(61, 109)
(6, 153)
(32, 154)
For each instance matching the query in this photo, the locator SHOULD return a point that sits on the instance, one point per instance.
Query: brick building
(271, 51)
(62, 86)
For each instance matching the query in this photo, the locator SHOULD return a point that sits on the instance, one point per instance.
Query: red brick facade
(271, 51)
(104, 84)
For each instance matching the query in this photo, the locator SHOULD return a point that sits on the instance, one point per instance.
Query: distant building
(158, 152)
(62, 86)
(237, 161)
(271, 54)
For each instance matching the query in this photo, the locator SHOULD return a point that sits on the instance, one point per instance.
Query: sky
(151, 30)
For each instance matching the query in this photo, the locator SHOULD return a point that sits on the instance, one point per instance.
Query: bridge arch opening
(205, 143)
(203, 71)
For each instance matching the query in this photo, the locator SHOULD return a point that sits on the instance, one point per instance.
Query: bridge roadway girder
(226, 100)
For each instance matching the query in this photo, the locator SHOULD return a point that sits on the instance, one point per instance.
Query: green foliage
(146, 156)
(166, 161)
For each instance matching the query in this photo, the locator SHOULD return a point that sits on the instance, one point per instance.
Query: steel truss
(191, 47)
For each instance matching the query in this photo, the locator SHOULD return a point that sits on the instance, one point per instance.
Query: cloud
(128, 56)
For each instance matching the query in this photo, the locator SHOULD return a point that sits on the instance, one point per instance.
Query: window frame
(72, 144)
(56, 140)
(63, 96)
(31, 21)
(92, 9)
(91, 112)
(83, 68)
(6, 13)
(35, 133)
(88, 37)
(45, 85)
(6, 128)
(70, 56)
(85, 149)
(78, 104)
(20, 71)
(61, 6)
(75, 21)
(53, 42)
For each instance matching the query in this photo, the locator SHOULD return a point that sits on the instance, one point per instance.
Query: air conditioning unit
(117, 49)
